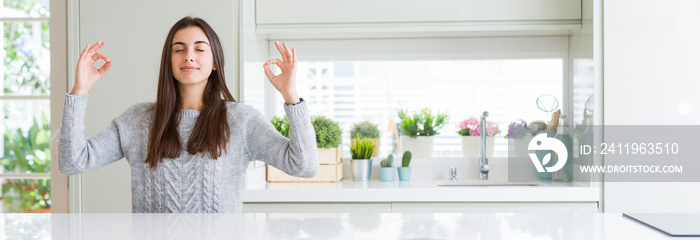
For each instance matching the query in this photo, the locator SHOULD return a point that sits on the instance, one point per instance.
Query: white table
(326, 226)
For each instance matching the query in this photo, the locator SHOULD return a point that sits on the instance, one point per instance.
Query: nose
(189, 57)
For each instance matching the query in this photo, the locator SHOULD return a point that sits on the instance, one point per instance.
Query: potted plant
(470, 130)
(387, 171)
(361, 150)
(418, 129)
(366, 129)
(519, 136)
(405, 170)
(281, 124)
(328, 140)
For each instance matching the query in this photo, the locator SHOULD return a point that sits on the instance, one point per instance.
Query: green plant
(406, 159)
(365, 129)
(29, 194)
(25, 68)
(281, 124)
(27, 154)
(421, 123)
(328, 133)
(362, 148)
(388, 162)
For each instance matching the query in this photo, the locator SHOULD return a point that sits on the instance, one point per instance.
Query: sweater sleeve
(75, 154)
(296, 156)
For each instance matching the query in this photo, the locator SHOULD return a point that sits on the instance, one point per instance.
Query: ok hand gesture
(86, 75)
(285, 83)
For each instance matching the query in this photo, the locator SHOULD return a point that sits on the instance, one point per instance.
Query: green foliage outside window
(26, 58)
(26, 65)
(27, 153)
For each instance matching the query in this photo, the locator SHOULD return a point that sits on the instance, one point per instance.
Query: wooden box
(326, 173)
(330, 155)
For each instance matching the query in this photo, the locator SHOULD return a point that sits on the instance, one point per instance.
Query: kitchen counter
(326, 226)
(415, 191)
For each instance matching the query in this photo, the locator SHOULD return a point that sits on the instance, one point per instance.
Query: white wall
(135, 32)
(652, 73)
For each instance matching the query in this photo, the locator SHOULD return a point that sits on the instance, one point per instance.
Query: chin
(188, 81)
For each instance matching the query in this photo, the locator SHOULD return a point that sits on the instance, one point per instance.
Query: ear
(213, 67)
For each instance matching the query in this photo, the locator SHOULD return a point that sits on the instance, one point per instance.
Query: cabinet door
(393, 11)
(317, 207)
(495, 207)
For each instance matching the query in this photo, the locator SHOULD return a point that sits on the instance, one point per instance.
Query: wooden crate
(330, 155)
(326, 173)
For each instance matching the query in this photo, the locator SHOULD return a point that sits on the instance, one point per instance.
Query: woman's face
(191, 57)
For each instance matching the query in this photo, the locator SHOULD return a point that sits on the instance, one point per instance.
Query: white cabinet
(343, 19)
(317, 207)
(539, 207)
(420, 207)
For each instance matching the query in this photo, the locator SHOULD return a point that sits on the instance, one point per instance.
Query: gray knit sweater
(188, 183)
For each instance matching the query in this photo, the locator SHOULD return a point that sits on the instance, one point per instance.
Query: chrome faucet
(453, 174)
(483, 161)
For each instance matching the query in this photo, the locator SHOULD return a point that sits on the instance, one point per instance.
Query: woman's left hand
(285, 83)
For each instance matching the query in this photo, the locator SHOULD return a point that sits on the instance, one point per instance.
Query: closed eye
(201, 50)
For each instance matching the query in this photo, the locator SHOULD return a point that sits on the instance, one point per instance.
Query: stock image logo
(542, 142)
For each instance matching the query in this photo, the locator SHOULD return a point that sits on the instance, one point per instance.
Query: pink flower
(474, 132)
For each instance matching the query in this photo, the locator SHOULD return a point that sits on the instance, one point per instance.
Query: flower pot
(361, 169)
(376, 145)
(404, 173)
(471, 146)
(518, 147)
(387, 173)
(421, 146)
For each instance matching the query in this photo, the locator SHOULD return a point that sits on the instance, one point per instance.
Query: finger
(96, 47)
(276, 62)
(268, 71)
(280, 49)
(84, 52)
(294, 56)
(288, 51)
(98, 56)
(104, 68)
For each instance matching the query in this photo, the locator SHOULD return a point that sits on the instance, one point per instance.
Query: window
(354, 80)
(25, 159)
(352, 91)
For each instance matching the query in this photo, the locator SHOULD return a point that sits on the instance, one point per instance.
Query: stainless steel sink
(487, 183)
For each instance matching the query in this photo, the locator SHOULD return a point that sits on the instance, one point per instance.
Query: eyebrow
(197, 42)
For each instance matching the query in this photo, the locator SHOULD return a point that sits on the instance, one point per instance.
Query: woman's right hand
(86, 75)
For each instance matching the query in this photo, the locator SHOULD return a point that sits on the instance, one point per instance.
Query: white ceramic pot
(518, 147)
(471, 146)
(421, 146)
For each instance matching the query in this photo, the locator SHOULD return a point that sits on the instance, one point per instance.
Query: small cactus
(406, 159)
(388, 162)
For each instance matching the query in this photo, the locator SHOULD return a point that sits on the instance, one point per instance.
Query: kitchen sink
(487, 183)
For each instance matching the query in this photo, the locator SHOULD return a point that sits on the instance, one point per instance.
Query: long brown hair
(211, 131)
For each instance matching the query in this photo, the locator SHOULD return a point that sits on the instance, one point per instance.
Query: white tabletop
(326, 226)
(415, 191)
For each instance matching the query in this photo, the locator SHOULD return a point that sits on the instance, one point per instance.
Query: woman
(189, 150)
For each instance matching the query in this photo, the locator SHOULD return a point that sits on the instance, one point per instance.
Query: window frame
(4, 97)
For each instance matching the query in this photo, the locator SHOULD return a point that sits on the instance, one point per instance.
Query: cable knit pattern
(189, 183)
